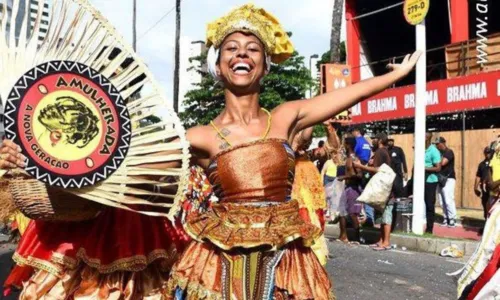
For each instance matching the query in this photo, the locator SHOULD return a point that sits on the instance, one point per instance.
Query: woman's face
(242, 61)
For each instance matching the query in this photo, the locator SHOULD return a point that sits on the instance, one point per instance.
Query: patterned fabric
(309, 192)
(249, 276)
(198, 196)
(230, 225)
(205, 272)
(308, 187)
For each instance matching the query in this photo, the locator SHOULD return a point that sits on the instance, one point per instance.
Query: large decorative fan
(86, 111)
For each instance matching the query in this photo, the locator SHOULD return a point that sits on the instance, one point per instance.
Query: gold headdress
(257, 21)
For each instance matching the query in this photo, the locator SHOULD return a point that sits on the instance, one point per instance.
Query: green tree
(287, 81)
(325, 58)
(319, 130)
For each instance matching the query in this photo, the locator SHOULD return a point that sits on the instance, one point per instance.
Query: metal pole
(310, 71)
(134, 29)
(420, 129)
(177, 54)
(463, 160)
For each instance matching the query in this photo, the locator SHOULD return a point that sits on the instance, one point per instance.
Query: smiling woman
(242, 59)
(254, 240)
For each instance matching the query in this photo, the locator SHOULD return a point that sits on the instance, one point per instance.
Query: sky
(309, 20)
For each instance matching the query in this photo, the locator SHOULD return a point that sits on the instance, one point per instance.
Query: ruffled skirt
(85, 282)
(206, 272)
(118, 253)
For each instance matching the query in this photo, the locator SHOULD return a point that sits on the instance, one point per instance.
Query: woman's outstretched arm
(323, 107)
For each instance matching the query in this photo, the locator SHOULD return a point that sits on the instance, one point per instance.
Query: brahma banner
(473, 92)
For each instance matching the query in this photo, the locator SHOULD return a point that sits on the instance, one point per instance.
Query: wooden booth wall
(467, 146)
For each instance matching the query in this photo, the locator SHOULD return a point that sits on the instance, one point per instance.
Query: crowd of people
(347, 156)
(353, 161)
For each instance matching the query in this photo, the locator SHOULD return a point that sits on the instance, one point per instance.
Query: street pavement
(363, 274)
(359, 273)
(6, 263)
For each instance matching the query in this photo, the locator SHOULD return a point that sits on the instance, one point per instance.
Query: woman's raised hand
(407, 65)
(10, 156)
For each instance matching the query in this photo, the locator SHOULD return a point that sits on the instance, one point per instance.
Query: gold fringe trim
(64, 260)
(38, 264)
(59, 262)
(133, 264)
(194, 290)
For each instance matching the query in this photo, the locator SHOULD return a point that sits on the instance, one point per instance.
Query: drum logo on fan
(71, 123)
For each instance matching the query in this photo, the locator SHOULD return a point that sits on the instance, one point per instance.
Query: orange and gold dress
(252, 244)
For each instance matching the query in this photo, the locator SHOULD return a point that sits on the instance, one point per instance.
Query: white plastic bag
(378, 189)
(333, 191)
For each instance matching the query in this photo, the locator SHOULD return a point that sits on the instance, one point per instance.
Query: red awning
(473, 92)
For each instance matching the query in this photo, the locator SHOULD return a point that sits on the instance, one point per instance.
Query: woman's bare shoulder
(200, 137)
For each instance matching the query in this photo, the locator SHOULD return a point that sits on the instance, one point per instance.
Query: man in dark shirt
(398, 164)
(480, 186)
(446, 193)
(381, 156)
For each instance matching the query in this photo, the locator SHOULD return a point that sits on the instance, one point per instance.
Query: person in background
(363, 149)
(398, 165)
(329, 171)
(320, 155)
(334, 151)
(446, 193)
(493, 179)
(349, 206)
(432, 167)
(363, 152)
(480, 185)
(381, 156)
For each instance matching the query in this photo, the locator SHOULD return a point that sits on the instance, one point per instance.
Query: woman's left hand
(407, 65)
